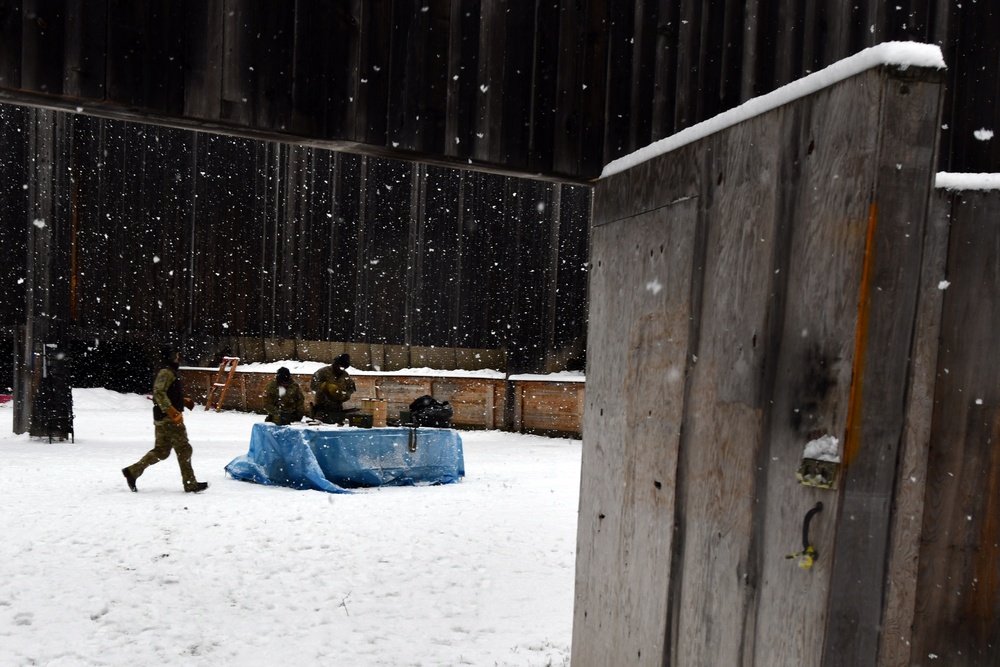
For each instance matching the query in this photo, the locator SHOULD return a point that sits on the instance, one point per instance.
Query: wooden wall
(749, 293)
(556, 88)
(202, 237)
(953, 562)
(547, 407)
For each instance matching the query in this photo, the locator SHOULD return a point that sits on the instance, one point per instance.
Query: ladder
(217, 383)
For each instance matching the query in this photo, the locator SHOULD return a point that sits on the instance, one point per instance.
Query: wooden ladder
(217, 383)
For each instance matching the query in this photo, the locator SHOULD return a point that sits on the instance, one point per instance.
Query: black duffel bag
(428, 411)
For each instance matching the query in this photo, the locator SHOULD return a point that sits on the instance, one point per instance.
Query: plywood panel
(550, 406)
(473, 401)
(641, 288)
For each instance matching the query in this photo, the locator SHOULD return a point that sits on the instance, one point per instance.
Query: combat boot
(129, 479)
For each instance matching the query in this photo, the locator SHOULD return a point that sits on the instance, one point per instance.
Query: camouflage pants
(169, 436)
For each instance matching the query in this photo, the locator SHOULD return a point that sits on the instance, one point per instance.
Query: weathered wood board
(642, 273)
(796, 287)
(957, 607)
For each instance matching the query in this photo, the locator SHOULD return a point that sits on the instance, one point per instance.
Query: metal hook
(808, 556)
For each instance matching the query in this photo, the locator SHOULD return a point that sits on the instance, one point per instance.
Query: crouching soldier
(169, 402)
(333, 386)
(284, 401)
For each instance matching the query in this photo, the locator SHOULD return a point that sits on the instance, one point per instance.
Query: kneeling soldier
(284, 401)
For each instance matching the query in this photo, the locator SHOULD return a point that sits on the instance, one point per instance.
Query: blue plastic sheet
(335, 459)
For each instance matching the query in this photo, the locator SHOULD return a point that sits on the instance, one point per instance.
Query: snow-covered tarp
(335, 458)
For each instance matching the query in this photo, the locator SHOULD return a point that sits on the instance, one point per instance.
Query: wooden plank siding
(202, 237)
(911, 485)
(751, 292)
(957, 592)
(545, 407)
(905, 157)
(550, 89)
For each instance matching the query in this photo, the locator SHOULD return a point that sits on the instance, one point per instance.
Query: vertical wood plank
(43, 34)
(85, 54)
(13, 207)
(515, 110)
(906, 162)
(819, 195)
(621, 82)
(544, 86)
(723, 447)
(463, 67)
(569, 81)
(10, 44)
(665, 76)
(204, 49)
(145, 55)
(374, 68)
(911, 485)
(419, 71)
(641, 282)
(593, 87)
(957, 593)
(489, 93)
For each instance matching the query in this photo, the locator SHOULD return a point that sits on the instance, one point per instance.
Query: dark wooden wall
(557, 88)
(203, 236)
(955, 564)
(751, 292)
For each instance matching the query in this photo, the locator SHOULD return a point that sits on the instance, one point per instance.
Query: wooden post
(43, 400)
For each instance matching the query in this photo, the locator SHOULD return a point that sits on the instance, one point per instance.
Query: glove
(189, 403)
(175, 416)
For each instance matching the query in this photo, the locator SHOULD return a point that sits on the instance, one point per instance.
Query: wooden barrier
(751, 291)
(546, 406)
(550, 407)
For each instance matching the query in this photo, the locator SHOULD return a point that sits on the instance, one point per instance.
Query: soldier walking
(169, 402)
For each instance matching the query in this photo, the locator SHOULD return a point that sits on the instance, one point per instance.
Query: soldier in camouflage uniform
(284, 401)
(332, 386)
(169, 402)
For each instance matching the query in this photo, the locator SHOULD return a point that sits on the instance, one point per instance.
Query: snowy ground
(476, 573)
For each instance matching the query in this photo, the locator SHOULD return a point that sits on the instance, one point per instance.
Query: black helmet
(284, 376)
(167, 351)
(343, 361)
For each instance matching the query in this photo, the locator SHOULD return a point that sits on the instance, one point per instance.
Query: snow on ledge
(310, 367)
(901, 54)
(951, 181)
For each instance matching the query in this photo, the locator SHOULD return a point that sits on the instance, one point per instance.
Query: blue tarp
(334, 459)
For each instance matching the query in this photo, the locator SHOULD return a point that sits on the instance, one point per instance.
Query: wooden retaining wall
(551, 407)
(751, 292)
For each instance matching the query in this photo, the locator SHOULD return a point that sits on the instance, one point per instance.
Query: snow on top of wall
(310, 367)
(901, 54)
(951, 181)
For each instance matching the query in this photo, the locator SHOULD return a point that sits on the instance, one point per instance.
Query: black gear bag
(427, 411)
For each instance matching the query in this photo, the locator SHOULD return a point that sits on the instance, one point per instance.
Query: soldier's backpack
(428, 411)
